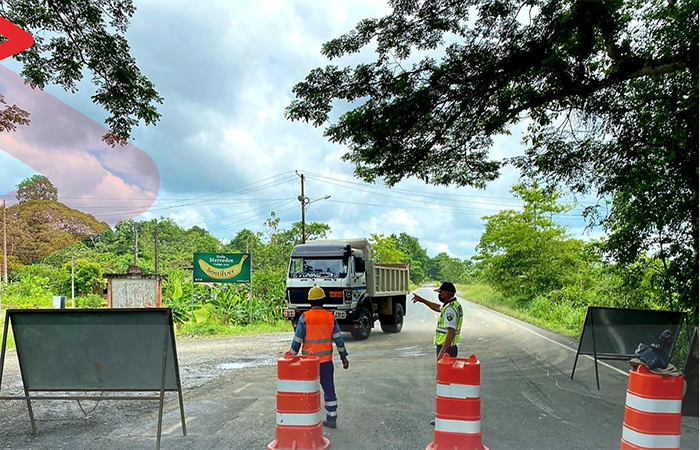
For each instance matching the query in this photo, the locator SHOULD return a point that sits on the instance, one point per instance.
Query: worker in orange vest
(315, 332)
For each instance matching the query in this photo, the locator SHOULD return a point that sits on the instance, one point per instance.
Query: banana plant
(174, 297)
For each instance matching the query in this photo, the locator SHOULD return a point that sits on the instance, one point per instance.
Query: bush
(88, 301)
(561, 313)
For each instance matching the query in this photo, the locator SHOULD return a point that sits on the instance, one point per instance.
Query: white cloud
(226, 83)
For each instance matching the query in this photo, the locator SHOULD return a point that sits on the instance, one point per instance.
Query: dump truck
(358, 291)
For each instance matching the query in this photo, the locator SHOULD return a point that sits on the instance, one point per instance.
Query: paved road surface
(386, 399)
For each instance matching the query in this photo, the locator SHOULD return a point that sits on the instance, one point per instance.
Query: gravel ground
(201, 362)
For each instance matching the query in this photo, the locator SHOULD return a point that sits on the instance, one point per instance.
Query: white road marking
(177, 425)
(548, 339)
(241, 388)
(541, 406)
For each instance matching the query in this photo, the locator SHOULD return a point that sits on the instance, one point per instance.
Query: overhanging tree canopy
(609, 90)
(72, 36)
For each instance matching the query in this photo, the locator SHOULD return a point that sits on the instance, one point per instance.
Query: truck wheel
(364, 326)
(396, 323)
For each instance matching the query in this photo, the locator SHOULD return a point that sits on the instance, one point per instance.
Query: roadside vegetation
(526, 265)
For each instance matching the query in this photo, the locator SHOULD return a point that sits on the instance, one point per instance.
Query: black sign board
(615, 333)
(83, 350)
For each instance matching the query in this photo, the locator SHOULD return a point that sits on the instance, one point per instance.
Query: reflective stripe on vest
(441, 332)
(319, 332)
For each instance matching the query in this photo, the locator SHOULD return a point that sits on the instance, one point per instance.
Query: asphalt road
(386, 398)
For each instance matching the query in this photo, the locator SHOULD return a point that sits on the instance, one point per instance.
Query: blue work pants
(329, 390)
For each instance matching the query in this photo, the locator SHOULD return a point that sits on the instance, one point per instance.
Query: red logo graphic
(17, 39)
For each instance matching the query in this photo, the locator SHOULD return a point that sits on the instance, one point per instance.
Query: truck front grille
(299, 296)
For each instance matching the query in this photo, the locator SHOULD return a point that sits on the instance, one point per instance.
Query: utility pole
(4, 246)
(4, 238)
(302, 199)
(157, 282)
(156, 251)
(136, 245)
(247, 250)
(72, 280)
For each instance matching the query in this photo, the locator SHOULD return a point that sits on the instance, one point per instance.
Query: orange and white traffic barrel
(299, 424)
(652, 411)
(458, 405)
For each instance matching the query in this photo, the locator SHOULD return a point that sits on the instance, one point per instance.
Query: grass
(10, 337)
(208, 329)
(204, 328)
(485, 295)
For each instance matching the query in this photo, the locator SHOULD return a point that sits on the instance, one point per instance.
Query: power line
(367, 187)
(450, 208)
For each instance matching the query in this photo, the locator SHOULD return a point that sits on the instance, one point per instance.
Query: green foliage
(526, 253)
(178, 295)
(89, 301)
(609, 90)
(230, 304)
(82, 36)
(446, 268)
(38, 271)
(563, 313)
(31, 291)
(38, 228)
(88, 278)
(37, 187)
(269, 295)
(416, 257)
(385, 250)
(244, 241)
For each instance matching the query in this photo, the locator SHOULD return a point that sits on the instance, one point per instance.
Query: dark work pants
(452, 351)
(329, 390)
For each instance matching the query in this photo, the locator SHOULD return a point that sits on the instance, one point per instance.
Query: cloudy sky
(225, 155)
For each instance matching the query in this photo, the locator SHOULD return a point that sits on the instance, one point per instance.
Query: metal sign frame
(160, 386)
(597, 355)
(690, 372)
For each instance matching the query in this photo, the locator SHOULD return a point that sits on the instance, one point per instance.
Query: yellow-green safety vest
(441, 331)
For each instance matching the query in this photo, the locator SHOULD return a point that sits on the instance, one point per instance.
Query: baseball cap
(446, 286)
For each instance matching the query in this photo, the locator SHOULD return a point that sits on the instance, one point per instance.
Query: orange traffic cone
(652, 411)
(458, 405)
(299, 417)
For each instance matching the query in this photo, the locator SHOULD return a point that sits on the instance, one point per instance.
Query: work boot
(330, 423)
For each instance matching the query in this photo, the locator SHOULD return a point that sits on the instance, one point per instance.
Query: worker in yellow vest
(316, 331)
(449, 324)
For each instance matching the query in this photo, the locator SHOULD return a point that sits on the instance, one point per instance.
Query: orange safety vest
(319, 334)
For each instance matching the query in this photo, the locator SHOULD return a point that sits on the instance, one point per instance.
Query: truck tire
(395, 323)
(364, 326)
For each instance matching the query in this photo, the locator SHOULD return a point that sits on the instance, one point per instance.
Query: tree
(37, 187)
(88, 277)
(245, 240)
(416, 256)
(527, 253)
(385, 250)
(81, 36)
(39, 228)
(11, 116)
(443, 267)
(609, 89)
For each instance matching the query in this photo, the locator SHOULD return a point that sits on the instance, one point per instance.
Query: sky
(223, 156)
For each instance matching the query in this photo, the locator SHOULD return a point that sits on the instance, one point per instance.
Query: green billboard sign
(221, 267)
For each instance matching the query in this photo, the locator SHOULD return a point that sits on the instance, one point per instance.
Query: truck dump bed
(388, 279)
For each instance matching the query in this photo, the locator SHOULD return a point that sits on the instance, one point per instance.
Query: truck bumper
(343, 317)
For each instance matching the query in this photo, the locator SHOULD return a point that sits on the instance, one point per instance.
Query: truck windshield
(318, 268)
